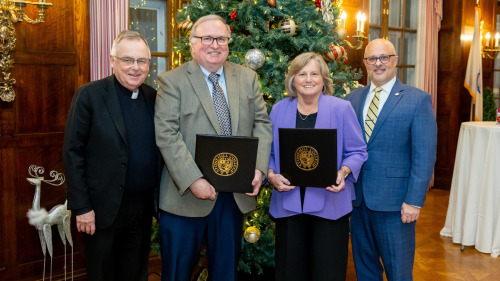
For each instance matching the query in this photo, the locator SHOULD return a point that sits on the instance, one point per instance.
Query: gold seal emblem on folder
(306, 158)
(225, 164)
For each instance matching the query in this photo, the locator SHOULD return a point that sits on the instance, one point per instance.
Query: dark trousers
(382, 235)
(181, 239)
(310, 248)
(121, 252)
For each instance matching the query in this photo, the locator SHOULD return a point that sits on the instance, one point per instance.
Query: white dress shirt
(222, 81)
(384, 95)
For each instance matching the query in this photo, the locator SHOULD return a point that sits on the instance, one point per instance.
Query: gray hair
(204, 19)
(298, 63)
(128, 35)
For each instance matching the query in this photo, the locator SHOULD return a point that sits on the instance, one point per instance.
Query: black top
(141, 170)
(308, 123)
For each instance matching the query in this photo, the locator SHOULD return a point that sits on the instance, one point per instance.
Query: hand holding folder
(308, 157)
(202, 189)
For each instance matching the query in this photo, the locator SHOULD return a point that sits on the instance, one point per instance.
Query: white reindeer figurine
(43, 221)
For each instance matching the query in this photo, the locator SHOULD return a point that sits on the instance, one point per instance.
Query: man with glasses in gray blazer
(207, 95)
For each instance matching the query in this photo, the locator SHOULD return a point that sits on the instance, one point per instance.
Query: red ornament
(336, 53)
(233, 15)
(345, 61)
(318, 3)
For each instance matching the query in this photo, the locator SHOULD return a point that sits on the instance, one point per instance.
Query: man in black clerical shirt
(112, 164)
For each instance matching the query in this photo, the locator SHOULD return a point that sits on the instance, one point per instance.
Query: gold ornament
(252, 234)
(184, 27)
(341, 32)
(271, 3)
(288, 26)
(347, 89)
(356, 85)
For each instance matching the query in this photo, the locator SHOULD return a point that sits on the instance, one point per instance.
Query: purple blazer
(333, 113)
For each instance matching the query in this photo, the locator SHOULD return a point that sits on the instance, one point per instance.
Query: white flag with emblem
(474, 74)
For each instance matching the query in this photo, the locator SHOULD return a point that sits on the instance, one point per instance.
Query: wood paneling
(51, 62)
(55, 34)
(2, 215)
(45, 110)
(358, 4)
(454, 101)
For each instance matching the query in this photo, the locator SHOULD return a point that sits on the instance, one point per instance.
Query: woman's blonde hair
(298, 63)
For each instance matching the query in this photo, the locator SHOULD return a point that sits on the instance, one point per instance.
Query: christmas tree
(267, 35)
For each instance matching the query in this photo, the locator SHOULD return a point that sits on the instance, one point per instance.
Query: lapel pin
(397, 94)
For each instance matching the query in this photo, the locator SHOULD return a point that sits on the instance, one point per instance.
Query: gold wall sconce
(13, 12)
(360, 32)
(486, 51)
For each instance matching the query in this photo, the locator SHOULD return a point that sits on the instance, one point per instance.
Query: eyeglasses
(130, 61)
(383, 59)
(209, 40)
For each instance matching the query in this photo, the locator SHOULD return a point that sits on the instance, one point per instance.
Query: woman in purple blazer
(312, 224)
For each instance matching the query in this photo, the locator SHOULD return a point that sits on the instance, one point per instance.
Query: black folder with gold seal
(227, 162)
(308, 157)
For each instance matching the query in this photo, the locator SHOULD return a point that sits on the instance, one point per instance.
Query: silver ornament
(255, 59)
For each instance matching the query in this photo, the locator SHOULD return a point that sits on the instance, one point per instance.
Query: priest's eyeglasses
(383, 59)
(130, 61)
(209, 40)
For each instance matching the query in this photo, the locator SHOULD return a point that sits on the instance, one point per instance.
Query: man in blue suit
(401, 134)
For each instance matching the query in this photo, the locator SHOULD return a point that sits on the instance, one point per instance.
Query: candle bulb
(487, 39)
(497, 37)
(363, 19)
(343, 17)
(358, 21)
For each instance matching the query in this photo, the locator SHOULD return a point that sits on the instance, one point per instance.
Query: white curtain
(429, 22)
(430, 14)
(107, 19)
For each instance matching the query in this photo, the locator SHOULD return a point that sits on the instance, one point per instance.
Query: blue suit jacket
(401, 150)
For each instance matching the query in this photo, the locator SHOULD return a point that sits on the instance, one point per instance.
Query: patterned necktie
(221, 108)
(371, 116)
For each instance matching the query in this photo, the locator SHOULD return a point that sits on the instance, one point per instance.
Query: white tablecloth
(473, 216)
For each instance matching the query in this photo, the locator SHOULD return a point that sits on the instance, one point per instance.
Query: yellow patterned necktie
(371, 116)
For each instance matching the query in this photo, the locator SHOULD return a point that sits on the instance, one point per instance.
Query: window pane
(398, 70)
(395, 13)
(375, 12)
(410, 48)
(409, 76)
(395, 38)
(373, 34)
(496, 83)
(498, 22)
(411, 14)
(148, 18)
(157, 66)
(497, 62)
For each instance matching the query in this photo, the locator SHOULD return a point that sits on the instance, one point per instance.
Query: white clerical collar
(135, 94)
